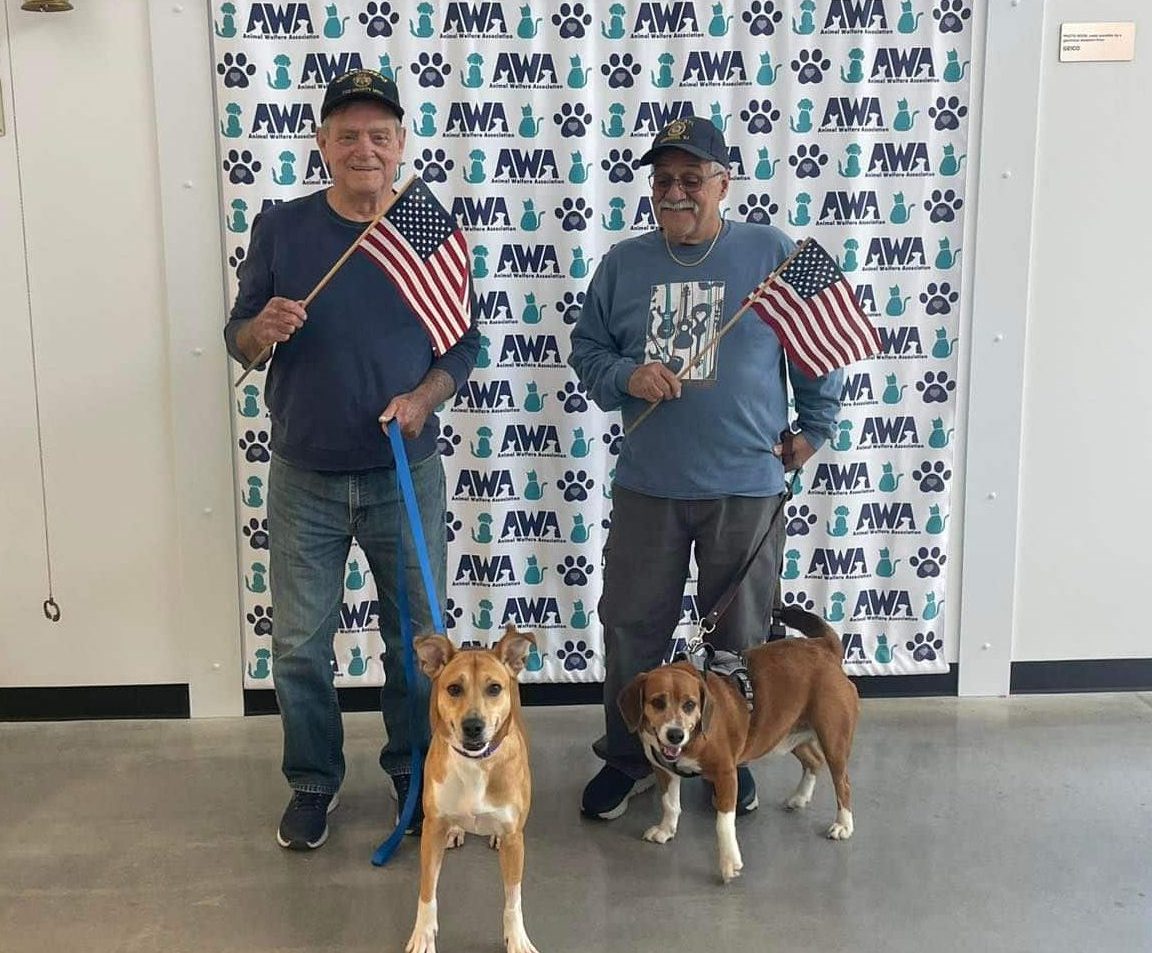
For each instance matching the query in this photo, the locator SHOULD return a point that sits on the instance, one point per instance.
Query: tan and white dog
(476, 776)
(691, 724)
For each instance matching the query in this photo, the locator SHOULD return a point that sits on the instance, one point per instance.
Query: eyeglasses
(692, 182)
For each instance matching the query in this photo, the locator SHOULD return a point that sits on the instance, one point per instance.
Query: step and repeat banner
(847, 122)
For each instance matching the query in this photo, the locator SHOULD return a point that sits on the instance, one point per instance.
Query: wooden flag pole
(724, 330)
(392, 199)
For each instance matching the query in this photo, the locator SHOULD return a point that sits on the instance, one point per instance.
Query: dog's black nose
(674, 735)
(473, 728)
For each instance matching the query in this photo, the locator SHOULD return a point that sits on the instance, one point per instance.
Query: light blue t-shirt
(717, 439)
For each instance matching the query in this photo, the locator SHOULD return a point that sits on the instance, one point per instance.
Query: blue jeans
(312, 520)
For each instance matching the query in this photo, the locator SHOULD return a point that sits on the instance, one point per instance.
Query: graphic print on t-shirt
(683, 320)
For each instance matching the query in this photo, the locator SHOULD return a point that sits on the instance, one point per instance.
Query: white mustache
(681, 206)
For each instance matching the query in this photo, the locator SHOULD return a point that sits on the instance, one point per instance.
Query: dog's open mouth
(670, 752)
(474, 747)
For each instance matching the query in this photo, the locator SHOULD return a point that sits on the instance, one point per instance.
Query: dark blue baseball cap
(361, 84)
(695, 135)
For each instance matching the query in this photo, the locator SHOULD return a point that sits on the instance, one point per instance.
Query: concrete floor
(995, 825)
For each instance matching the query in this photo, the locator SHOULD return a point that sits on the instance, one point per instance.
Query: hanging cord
(51, 609)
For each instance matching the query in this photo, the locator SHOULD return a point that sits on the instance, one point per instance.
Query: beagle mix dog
(692, 724)
(476, 776)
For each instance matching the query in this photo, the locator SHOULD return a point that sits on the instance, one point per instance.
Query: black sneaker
(402, 782)
(606, 796)
(746, 798)
(304, 825)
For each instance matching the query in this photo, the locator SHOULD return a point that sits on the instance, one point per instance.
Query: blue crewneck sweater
(361, 346)
(717, 439)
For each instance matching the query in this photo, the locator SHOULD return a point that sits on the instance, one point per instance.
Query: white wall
(1085, 527)
(78, 92)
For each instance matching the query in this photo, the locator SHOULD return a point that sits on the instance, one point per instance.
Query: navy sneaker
(746, 798)
(304, 825)
(402, 782)
(606, 796)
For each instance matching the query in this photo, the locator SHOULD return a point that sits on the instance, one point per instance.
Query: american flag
(420, 247)
(811, 307)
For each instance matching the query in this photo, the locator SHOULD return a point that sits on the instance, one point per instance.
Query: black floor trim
(1082, 675)
(73, 702)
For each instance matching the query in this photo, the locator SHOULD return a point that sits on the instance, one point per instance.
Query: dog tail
(813, 627)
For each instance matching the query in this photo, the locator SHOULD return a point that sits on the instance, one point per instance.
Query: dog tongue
(669, 752)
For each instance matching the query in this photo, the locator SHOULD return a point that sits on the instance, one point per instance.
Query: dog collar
(486, 752)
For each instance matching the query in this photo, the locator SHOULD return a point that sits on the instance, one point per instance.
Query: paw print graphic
(574, 214)
(452, 525)
(430, 69)
(260, 619)
(758, 209)
(924, 646)
(618, 165)
(448, 441)
(255, 446)
(927, 562)
(762, 17)
(572, 20)
(236, 70)
(452, 613)
(759, 116)
(943, 206)
(614, 437)
(621, 70)
(570, 306)
(573, 119)
(936, 387)
(433, 165)
(575, 655)
(378, 19)
(809, 66)
(950, 16)
(807, 161)
(571, 397)
(800, 520)
(938, 299)
(798, 599)
(241, 167)
(946, 113)
(575, 485)
(932, 477)
(236, 259)
(574, 570)
(257, 533)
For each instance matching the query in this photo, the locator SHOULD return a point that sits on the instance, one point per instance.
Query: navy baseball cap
(693, 134)
(361, 84)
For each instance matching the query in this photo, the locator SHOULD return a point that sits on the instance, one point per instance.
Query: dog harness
(730, 665)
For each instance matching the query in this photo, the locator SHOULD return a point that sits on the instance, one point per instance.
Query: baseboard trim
(81, 702)
(1082, 675)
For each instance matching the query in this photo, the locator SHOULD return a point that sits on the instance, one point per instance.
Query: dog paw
(494, 841)
(797, 802)
(454, 838)
(423, 940)
(730, 869)
(516, 941)
(842, 827)
(659, 834)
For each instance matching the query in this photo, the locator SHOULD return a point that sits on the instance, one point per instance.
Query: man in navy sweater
(357, 359)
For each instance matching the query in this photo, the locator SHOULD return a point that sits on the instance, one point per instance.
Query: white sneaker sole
(638, 787)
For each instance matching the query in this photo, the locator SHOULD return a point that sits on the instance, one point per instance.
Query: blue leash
(404, 478)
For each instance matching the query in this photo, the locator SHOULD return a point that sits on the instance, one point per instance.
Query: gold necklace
(700, 260)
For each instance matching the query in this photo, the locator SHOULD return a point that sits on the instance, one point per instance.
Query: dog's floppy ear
(631, 702)
(513, 648)
(434, 652)
(706, 704)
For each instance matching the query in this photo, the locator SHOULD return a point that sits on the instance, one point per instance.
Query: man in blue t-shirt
(705, 472)
(358, 358)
